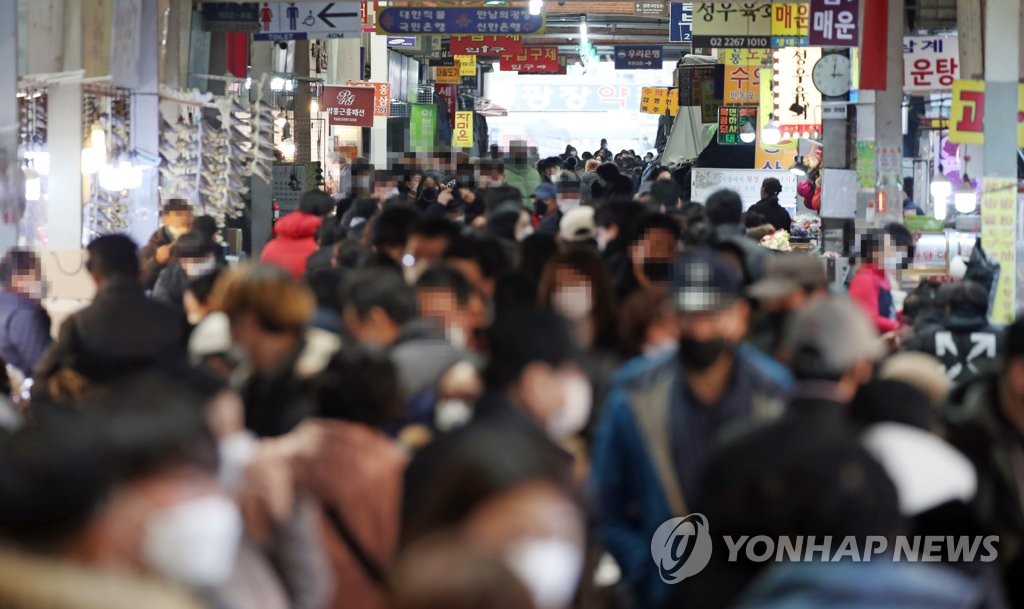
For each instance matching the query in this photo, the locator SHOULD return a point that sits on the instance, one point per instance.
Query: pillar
(379, 73)
(9, 112)
(262, 63)
(889, 122)
(302, 125)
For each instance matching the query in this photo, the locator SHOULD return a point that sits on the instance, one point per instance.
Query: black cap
(176, 205)
(520, 337)
(704, 281)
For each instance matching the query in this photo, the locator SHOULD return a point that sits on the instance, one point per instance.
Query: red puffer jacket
(294, 240)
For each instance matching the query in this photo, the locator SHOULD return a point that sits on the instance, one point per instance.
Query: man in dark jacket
(965, 343)
(769, 206)
(177, 220)
(194, 255)
(24, 324)
(725, 213)
(121, 332)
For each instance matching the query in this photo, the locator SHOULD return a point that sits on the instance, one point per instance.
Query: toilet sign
(308, 20)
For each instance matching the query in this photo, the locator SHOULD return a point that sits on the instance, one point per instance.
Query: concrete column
(262, 63)
(64, 187)
(379, 73)
(889, 120)
(301, 122)
(10, 179)
(145, 200)
(1002, 42)
(44, 41)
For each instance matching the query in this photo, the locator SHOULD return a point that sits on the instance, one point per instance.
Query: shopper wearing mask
(545, 206)
(882, 251)
(193, 255)
(510, 223)
(177, 220)
(652, 250)
(567, 198)
(658, 426)
(24, 323)
(575, 285)
(518, 172)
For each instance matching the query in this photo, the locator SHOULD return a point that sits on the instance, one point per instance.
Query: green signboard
(422, 127)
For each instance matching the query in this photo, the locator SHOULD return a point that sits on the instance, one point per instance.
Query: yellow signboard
(462, 136)
(967, 120)
(742, 86)
(777, 156)
(998, 229)
(447, 75)
(790, 23)
(659, 100)
(467, 65)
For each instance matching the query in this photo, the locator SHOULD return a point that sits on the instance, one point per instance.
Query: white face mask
(36, 290)
(451, 414)
(550, 568)
(198, 269)
(456, 335)
(390, 193)
(195, 542)
(575, 412)
(572, 301)
(362, 182)
(567, 205)
(236, 453)
(603, 239)
(892, 260)
(523, 234)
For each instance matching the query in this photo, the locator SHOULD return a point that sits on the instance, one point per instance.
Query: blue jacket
(24, 331)
(633, 476)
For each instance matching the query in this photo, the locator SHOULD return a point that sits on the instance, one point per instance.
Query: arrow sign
(326, 15)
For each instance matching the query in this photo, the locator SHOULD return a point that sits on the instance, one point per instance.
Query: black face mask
(699, 355)
(657, 271)
(429, 195)
(540, 207)
(766, 330)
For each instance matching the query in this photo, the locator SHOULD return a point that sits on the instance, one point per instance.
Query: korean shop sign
(422, 127)
(742, 68)
(533, 60)
(727, 25)
(835, 23)
(349, 106)
(930, 63)
(381, 96)
(733, 121)
(790, 23)
(659, 100)
(448, 75)
(485, 45)
(797, 100)
(680, 22)
(967, 120)
(462, 136)
(464, 20)
(638, 57)
(466, 64)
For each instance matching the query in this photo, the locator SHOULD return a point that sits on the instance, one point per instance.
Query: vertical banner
(422, 127)
(834, 23)
(998, 234)
(462, 136)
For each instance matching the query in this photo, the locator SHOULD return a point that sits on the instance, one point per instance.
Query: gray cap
(835, 331)
(786, 274)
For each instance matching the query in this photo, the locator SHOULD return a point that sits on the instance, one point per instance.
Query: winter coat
(147, 255)
(24, 331)
(523, 178)
(870, 289)
(965, 344)
(776, 214)
(294, 241)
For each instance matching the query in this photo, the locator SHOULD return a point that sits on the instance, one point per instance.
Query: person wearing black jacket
(769, 206)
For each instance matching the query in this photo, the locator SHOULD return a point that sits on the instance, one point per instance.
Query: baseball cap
(546, 192)
(787, 273)
(176, 205)
(704, 281)
(834, 332)
(578, 225)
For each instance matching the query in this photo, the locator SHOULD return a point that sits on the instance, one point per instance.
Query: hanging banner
(448, 75)
(422, 127)
(381, 96)
(680, 22)
(930, 63)
(702, 86)
(790, 23)
(967, 120)
(834, 23)
(486, 46)
(736, 121)
(458, 21)
(349, 106)
(732, 25)
(462, 135)
(638, 57)
(742, 66)
(533, 60)
(659, 100)
(998, 236)
(797, 100)
(466, 64)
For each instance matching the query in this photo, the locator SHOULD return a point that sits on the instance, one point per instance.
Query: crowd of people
(487, 383)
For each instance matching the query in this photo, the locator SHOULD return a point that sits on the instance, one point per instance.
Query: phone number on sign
(733, 42)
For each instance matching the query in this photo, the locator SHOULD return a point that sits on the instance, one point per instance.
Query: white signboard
(930, 63)
(308, 20)
(705, 181)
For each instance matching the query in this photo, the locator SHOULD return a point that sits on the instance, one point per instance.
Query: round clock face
(831, 75)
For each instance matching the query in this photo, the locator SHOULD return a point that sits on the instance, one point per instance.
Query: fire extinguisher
(276, 212)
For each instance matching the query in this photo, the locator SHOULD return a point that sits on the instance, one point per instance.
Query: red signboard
(486, 46)
(381, 96)
(533, 60)
(349, 106)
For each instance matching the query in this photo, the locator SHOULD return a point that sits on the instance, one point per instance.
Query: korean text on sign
(967, 119)
(381, 96)
(834, 23)
(485, 45)
(462, 137)
(930, 63)
(458, 21)
(790, 22)
(352, 106)
(733, 121)
(659, 100)
(732, 25)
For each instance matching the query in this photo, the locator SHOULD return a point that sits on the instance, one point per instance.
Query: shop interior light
(91, 162)
(966, 199)
(536, 6)
(287, 148)
(799, 168)
(940, 207)
(131, 175)
(33, 185)
(98, 142)
(314, 106)
(941, 187)
(747, 133)
(583, 31)
(770, 134)
(40, 160)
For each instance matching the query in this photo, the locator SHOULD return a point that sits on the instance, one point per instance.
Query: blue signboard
(231, 16)
(681, 22)
(458, 21)
(405, 43)
(638, 57)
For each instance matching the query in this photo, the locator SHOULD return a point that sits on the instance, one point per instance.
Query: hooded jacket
(523, 178)
(294, 241)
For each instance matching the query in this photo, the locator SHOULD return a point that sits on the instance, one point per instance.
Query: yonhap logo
(681, 547)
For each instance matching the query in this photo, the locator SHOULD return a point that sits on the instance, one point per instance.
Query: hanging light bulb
(110, 178)
(98, 141)
(130, 175)
(40, 161)
(90, 161)
(536, 6)
(747, 133)
(799, 168)
(314, 106)
(287, 148)
(33, 185)
(940, 207)
(966, 199)
(770, 134)
(941, 187)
